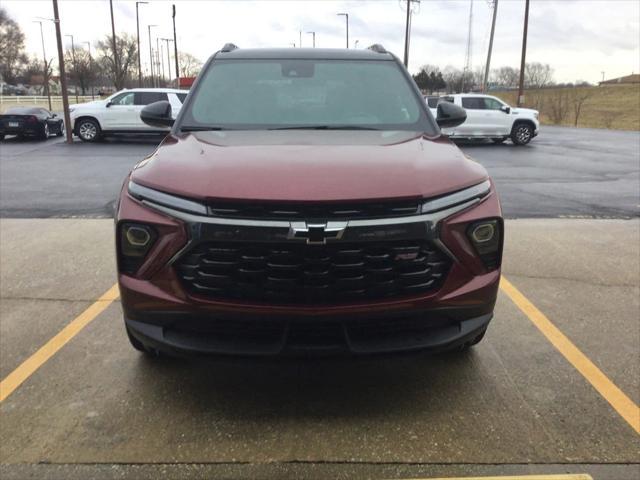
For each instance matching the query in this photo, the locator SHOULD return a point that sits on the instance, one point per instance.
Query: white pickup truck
(120, 113)
(489, 117)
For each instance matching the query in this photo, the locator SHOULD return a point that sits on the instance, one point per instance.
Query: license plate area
(14, 124)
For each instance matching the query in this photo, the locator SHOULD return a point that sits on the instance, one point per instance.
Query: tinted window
(181, 97)
(260, 94)
(492, 104)
(123, 99)
(473, 103)
(432, 102)
(447, 99)
(145, 98)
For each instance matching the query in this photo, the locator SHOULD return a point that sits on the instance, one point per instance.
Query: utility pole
(346, 16)
(175, 43)
(300, 39)
(138, 39)
(524, 54)
(406, 36)
(493, 29)
(314, 38)
(75, 65)
(115, 47)
(63, 80)
(90, 64)
(151, 55)
(158, 60)
(602, 76)
(468, 54)
(46, 66)
(167, 40)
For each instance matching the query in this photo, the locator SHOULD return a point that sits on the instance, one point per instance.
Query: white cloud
(579, 38)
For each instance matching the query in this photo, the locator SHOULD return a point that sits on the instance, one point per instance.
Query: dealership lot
(516, 404)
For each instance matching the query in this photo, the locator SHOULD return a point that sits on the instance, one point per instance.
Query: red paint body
(304, 166)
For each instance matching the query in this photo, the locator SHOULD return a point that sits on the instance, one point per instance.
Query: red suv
(306, 201)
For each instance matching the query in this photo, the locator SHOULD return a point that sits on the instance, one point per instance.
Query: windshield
(329, 94)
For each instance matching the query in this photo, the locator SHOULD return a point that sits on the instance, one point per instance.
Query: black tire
(498, 140)
(45, 132)
(88, 130)
(1, 136)
(60, 130)
(522, 133)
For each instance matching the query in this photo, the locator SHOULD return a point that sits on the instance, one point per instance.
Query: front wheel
(522, 134)
(45, 132)
(88, 130)
(1, 136)
(60, 131)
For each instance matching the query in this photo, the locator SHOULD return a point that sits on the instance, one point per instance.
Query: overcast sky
(579, 38)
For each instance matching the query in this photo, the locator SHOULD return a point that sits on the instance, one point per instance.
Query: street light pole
(158, 59)
(46, 65)
(524, 54)
(406, 35)
(151, 55)
(138, 38)
(346, 16)
(63, 80)
(75, 65)
(167, 40)
(314, 38)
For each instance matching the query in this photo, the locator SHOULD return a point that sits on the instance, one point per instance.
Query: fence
(8, 101)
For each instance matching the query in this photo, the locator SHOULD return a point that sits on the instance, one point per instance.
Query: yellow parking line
(568, 476)
(49, 349)
(611, 393)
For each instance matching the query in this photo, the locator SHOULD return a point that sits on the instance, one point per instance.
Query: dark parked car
(305, 200)
(30, 121)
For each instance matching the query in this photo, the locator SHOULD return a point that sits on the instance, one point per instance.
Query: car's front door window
(124, 99)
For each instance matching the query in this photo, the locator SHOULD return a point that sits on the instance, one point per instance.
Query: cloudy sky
(579, 38)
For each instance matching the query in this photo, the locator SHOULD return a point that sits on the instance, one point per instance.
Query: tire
(498, 141)
(88, 130)
(522, 133)
(60, 131)
(1, 136)
(45, 132)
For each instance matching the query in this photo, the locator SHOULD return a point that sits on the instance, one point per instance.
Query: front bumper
(162, 314)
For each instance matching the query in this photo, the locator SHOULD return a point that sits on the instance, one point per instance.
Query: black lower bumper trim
(287, 337)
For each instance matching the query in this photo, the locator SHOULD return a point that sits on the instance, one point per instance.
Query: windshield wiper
(324, 127)
(201, 128)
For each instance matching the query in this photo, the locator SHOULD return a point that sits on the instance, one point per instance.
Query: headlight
(486, 237)
(135, 241)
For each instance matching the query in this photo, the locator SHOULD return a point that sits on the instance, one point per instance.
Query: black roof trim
(376, 47)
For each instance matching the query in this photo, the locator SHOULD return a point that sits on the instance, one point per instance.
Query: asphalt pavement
(553, 388)
(564, 172)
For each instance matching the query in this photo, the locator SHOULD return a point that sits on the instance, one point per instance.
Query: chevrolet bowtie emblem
(316, 233)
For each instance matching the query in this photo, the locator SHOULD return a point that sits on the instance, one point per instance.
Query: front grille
(324, 211)
(312, 274)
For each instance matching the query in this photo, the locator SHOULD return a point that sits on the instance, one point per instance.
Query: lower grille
(312, 274)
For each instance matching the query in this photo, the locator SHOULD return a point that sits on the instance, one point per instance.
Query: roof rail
(229, 47)
(376, 47)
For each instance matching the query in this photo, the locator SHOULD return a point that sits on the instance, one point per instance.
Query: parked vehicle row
(489, 117)
(31, 122)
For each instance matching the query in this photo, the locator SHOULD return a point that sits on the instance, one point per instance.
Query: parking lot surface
(516, 404)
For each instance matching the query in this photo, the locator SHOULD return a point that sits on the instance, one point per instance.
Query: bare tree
(12, 56)
(578, 96)
(84, 69)
(189, 65)
(506, 77)
(34, 73)
(538, 75)
(453, 78)
(559, 106)
(126, 46)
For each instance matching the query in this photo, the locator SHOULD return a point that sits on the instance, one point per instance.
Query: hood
(87, 104)
(307, 166)
(524, 111)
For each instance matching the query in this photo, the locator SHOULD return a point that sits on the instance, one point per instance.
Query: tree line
(84, 70)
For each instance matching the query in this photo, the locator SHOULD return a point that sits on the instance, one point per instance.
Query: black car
(30, 121)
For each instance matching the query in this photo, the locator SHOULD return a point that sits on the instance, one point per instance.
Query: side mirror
(157, 114)
(450, 115)
(54, 115)
(505, 109)
(108, 104)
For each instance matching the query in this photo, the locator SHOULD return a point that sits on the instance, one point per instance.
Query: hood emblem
(315, 233)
